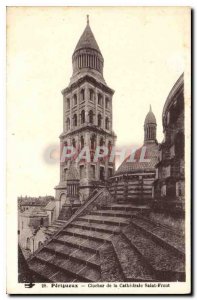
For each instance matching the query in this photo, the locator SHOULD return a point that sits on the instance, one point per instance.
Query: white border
(3, 4)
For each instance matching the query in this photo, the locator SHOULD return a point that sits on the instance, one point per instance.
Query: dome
(73, 172)
(150, 118)
(177, 89)
(151, 153)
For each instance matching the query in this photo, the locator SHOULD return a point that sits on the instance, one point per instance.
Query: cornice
(89, 79)
(91, 128)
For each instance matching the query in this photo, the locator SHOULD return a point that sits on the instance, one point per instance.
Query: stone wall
(137, 189)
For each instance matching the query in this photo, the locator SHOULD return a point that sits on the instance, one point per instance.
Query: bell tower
(87, 116)
(150, 127)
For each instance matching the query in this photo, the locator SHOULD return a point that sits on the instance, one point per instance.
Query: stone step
(79, 242)
(110, 268)
(134, 201)
(61, 221)
(96, 227)
(167, 265)
(105, 220)
(56, 226)
(48, 273)
(72, 267)
(130, 262)
(162, 235)
(51, 230)
(86, 256)
(59, 225)
(89, 234)
(112, 213)
(89, 274)
(50, 233)
(126, 207)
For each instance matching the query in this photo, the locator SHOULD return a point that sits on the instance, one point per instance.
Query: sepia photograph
(98, 150)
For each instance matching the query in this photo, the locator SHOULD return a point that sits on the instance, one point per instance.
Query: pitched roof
(73, 172)
(35, 212)
(34, 201)
(50, 206)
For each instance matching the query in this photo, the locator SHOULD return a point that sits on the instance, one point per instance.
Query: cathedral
(87, 118)
(87, 121)
(104, 230)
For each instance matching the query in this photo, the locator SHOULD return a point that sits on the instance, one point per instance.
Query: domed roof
(87, 40)
(137, 166)
(150, 118)
(172, 97)
(73, 172)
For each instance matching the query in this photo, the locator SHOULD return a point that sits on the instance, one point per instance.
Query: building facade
(35, 215)
(38, 207)
(133, 180)
(169, 186)
(32, 224)
(87, 117)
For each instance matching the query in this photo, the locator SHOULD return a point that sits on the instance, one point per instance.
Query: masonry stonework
(87, 118)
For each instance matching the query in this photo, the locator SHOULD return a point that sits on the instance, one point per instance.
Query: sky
(144, 52)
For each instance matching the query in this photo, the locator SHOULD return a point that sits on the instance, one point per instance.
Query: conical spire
(150, 117)
(87, 57)
(87, 39)
(150, 126)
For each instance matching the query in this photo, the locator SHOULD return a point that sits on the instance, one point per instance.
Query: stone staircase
(55, 227)
(109, 242)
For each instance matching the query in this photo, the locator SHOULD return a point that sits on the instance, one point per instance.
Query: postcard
(98, 150)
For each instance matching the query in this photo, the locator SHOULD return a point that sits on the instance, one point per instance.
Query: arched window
(101, 142)
(82, 142)
(109, 147)
(83, 117)
(82, 171)
(106, 102)
(68, 103)
(100, 99)
(28, 244)
(82, 94)
(99, 120)
(75, 99)
(91, 94)
(75, 120)
(41, 222)
(179, 145)
(65, 172)
(93, 142)
(102, 173)
(93, 171)
(74, 143)
(91, 117)
(67, 123)
(107, 123)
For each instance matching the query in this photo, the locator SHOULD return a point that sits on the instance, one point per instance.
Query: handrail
(89, 201)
